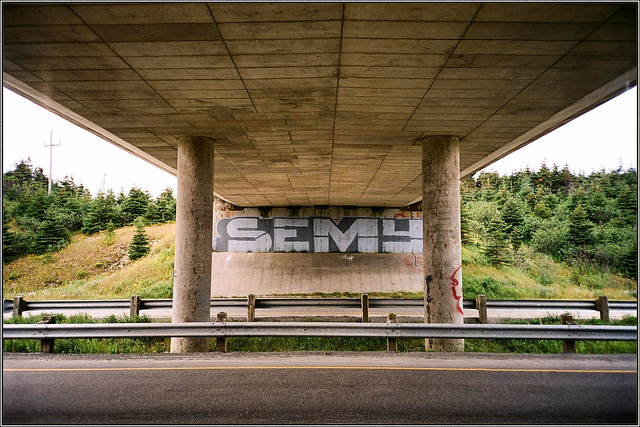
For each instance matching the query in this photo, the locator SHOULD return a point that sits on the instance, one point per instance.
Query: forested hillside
(585, 221)
(544, 234)
(35, 222)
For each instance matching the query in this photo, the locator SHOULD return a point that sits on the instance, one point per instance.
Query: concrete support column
(194, 236)
(441, 236)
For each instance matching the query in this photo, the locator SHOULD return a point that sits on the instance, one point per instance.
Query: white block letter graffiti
(290, 228)
(245, 236)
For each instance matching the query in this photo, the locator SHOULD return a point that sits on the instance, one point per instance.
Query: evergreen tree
(51, 235)
(579, 234)
(514, 219)
(465, 225)
(109, 237)
(9, 251)
(135, 205)
(628, 264)
(166, 204)
(496, 247)
(91, 223)
(139, 245)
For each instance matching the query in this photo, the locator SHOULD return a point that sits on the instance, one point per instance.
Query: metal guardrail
(315, 302)
(320, 329)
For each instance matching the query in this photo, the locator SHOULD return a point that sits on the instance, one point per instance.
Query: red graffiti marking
(414, 262)
(454, 284)
(399, 215)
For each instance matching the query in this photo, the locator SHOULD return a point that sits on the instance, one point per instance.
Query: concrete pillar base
(441, 236)
(194, 237)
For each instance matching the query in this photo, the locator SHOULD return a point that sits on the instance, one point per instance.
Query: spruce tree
(139, 245)
(628, 264)
(91, 223)
(580, 228)
(135, 205)
(513, 219)
(496, 247)
(109, 234)
(51, 235)
(8, 240)
(465, 223)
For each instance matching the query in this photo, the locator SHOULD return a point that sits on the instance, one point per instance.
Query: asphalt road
(312, 388)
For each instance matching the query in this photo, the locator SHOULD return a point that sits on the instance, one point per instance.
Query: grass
(284, 344)
(100, 346)
(536, 276)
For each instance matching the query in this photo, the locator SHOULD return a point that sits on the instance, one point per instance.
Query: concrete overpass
(320, 104)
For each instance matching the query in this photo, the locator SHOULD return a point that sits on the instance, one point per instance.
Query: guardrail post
(47, 345)
(481, 306)
(602, 305)
(568, 346)
(134, 306)
(364, 300)
(221, 342)
(19, 305)
(251, 306)
(392, 343)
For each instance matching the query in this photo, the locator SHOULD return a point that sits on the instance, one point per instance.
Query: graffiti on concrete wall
(319, 234)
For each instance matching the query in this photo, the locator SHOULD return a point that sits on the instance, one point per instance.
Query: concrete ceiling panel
(281, 30)
(56, 50)
(412, 46)
(257, 47)
(38, 15)
(411, 11)
(529, 30)
(173, 48)
(544, 12)
(50, 34)
(267, 12)
(404, 30)
(143, 13)
(286, 60)
(167, 32)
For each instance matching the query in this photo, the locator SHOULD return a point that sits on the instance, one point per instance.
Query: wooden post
(134, 306)
(602, 305)
(392, 343)
(568, 346)
(47, 345)
(251, 306)
(19, 305)
(364, 300)
(481, 306)
(221, 342)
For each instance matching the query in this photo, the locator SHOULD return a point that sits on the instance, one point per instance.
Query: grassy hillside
(90, 269)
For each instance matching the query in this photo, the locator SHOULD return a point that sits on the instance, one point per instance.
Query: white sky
(606, 137)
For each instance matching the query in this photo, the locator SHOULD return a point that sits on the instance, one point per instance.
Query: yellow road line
(381, 368)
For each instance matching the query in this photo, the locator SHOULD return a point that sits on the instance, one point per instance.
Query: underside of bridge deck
(320, 103)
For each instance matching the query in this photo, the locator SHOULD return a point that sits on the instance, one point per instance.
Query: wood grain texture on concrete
(319, 103)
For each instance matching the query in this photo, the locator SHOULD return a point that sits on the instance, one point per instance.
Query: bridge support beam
(441, 236)
(194, 237)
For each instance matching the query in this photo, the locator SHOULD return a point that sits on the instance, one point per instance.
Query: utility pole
(104, 178)
(51, 145)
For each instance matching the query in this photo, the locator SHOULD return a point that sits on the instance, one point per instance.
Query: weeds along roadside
(285, 344)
